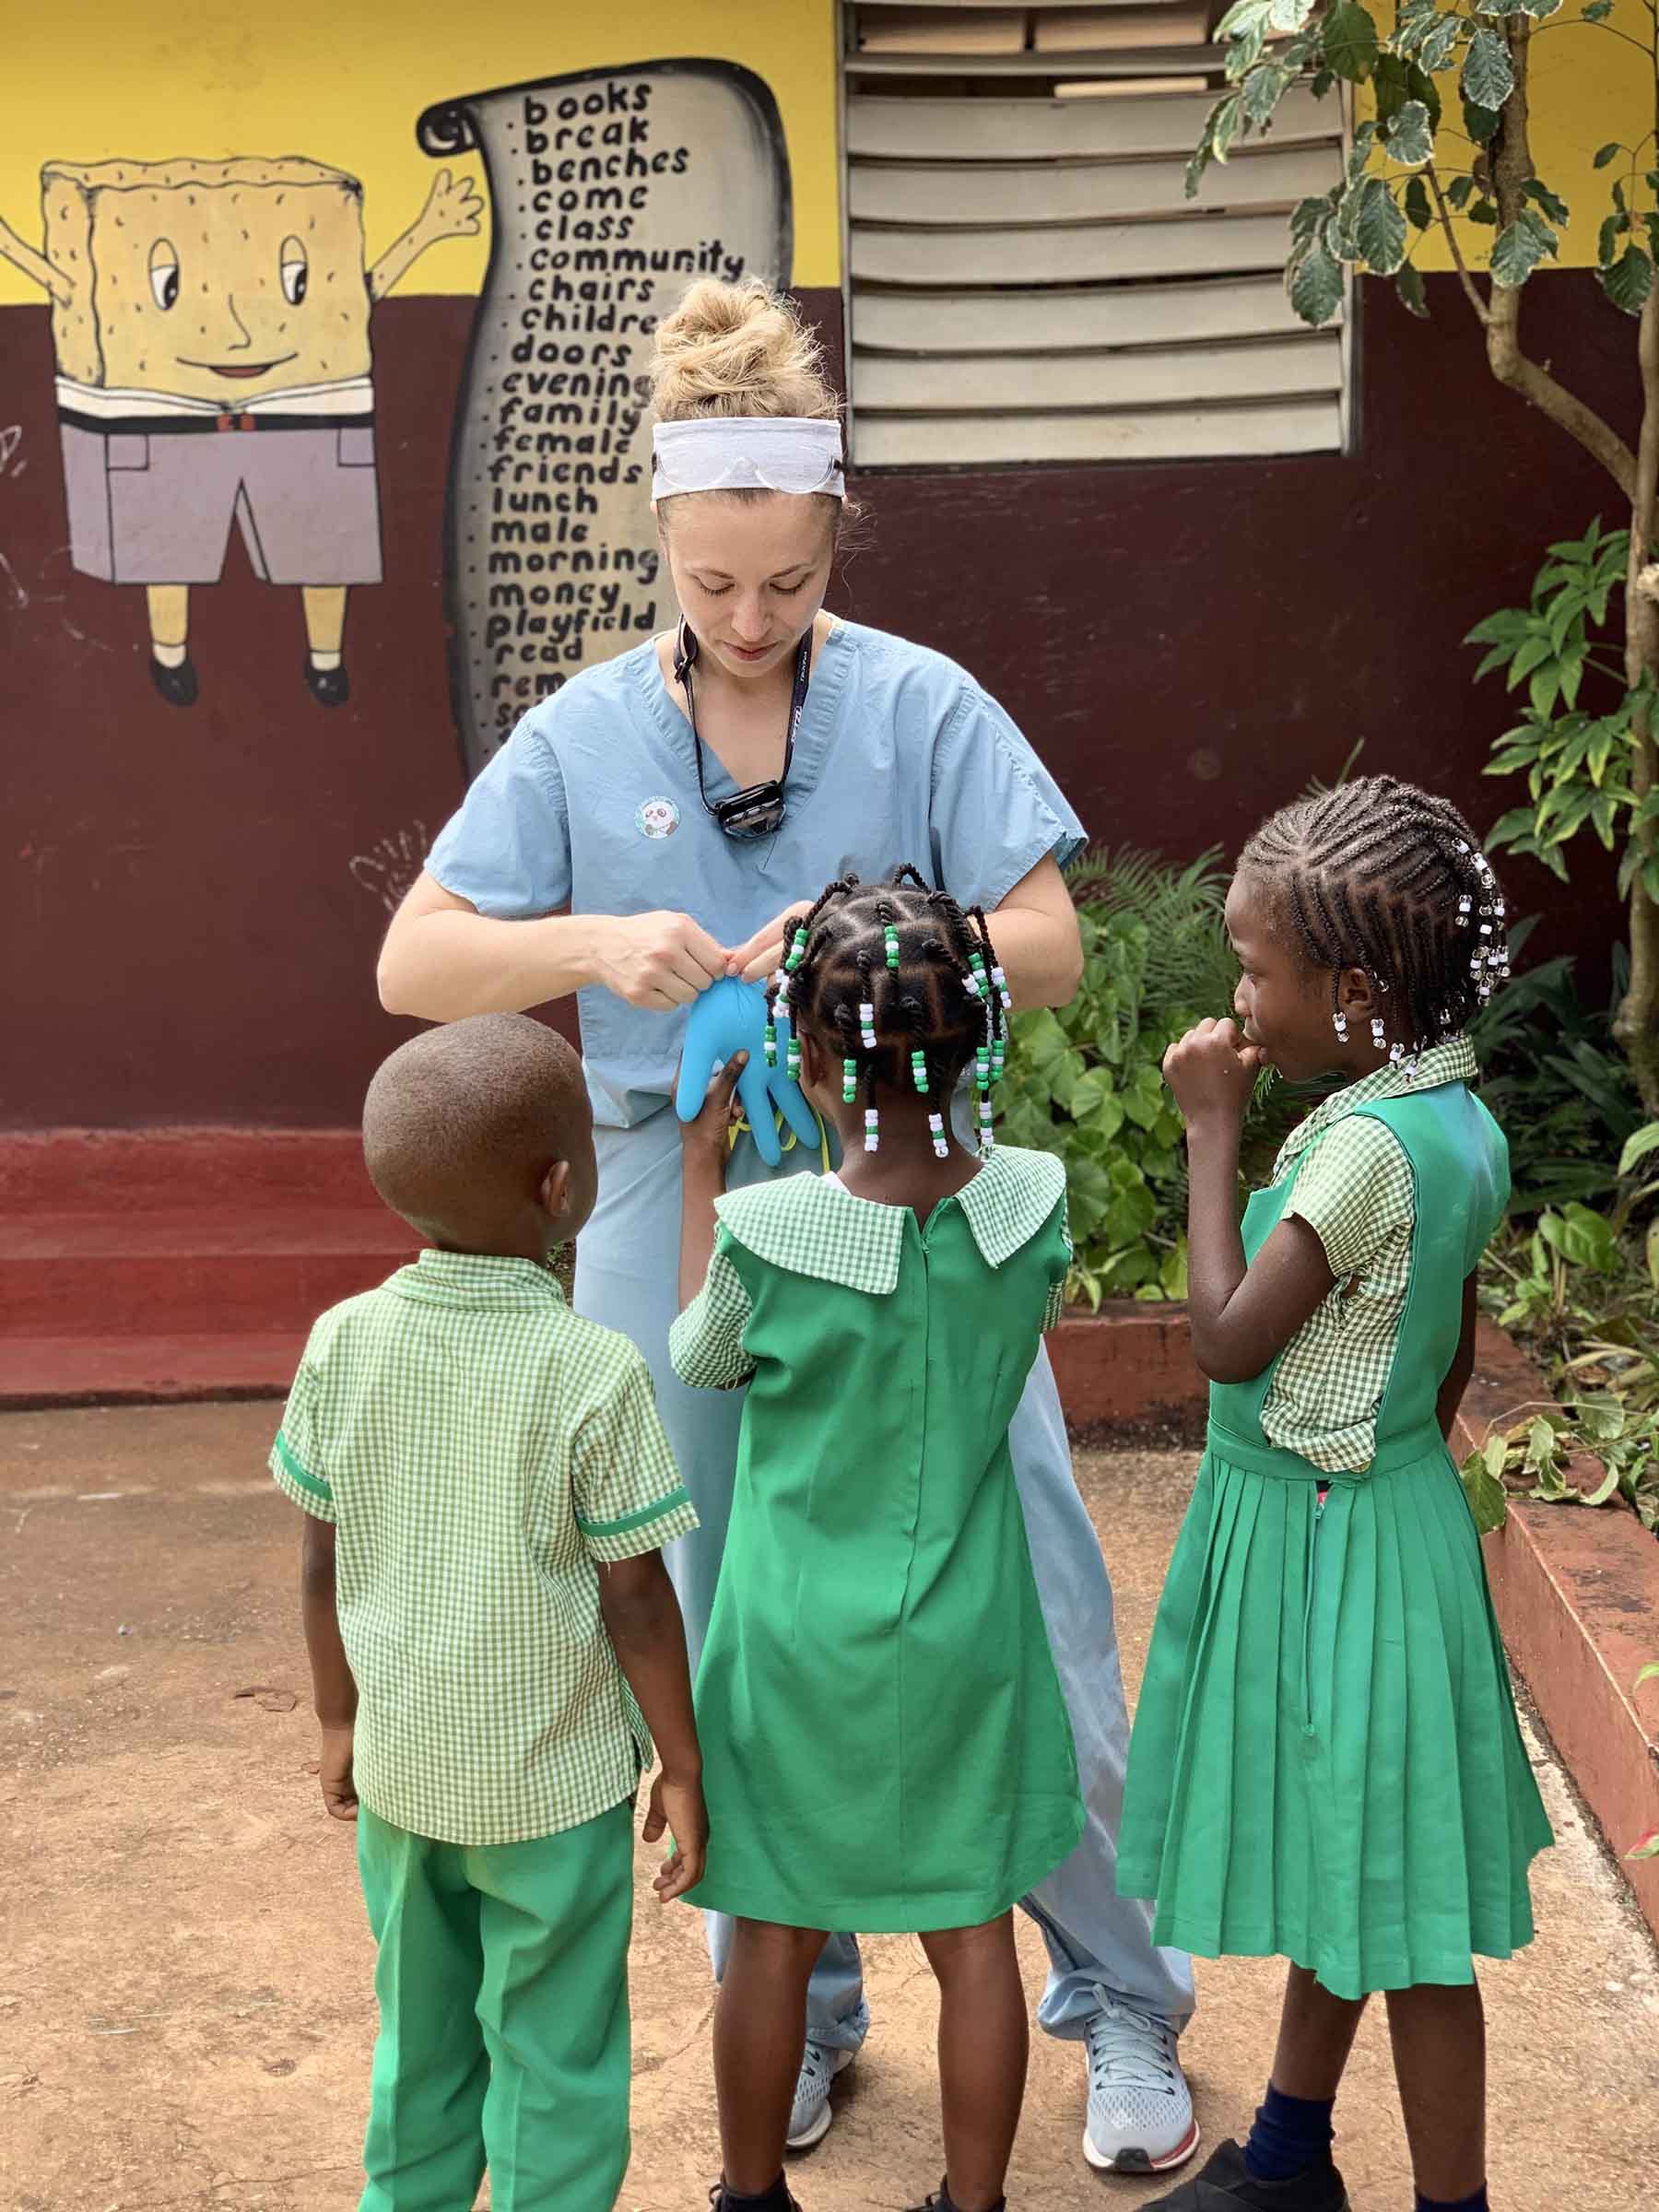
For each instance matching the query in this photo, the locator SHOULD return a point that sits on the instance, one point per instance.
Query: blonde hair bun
(737, 349)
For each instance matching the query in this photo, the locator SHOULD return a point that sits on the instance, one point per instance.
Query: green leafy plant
(1562, 1091)
(1580, 1289)
(1579, 763)
(1086, 1082)
(1449, 147)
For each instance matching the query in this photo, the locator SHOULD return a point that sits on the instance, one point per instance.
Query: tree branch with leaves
(1450, 145)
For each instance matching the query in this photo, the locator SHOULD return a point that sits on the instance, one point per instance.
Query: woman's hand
(659, 960)
(763, 953)
(1213, 1073)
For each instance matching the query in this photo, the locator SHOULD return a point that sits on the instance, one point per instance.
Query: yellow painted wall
(1587, 86)
(343, 82)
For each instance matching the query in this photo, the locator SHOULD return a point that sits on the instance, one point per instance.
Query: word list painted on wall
(610, 193)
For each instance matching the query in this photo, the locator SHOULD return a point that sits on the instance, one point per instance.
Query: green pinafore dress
(884, 1743)
(1326, 1764)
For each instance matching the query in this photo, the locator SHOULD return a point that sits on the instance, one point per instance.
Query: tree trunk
(1637, 1026)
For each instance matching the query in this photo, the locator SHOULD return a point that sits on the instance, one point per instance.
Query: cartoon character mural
(211, 321)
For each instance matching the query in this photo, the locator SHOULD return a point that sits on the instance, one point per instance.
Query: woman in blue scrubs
(599, 853)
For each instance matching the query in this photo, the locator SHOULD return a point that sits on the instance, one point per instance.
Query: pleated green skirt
(1326, 1764)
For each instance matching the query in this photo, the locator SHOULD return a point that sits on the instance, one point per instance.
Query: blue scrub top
(592, 805)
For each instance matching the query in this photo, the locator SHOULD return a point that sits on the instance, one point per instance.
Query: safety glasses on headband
(794, 453)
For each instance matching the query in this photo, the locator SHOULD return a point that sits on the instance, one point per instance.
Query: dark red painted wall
(192, 898)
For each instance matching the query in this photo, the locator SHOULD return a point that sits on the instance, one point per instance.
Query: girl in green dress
(1327, 1762)
(884, 1743)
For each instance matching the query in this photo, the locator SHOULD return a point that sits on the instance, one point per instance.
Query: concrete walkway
(185, 2013)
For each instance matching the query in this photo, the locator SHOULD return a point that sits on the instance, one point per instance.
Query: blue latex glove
(730, 1017)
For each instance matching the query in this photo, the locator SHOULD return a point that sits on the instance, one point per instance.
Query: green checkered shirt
(482, 1450)
(815, 1226)
(1356, 1193)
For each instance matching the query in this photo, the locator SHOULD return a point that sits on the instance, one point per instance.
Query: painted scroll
(611, 190)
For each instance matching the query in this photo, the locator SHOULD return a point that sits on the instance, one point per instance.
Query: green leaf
(1488, 1501)
(1314, 282)
(1307, 216)
(1263, 89)
(1421, 86)
(1638, 1147)
(1350, 42)
(1483, 211)
(1597, 12)
(1417, 205)
(1488, 76)
(1480, 123)
(1225, 125)
(1611, 151)
(1459, 191)
(1441, 42)
(1629, 280)
(1604, 1489)
(1649, 1846)
(1518, 249)
(1552, 203)
(1288, 15)
(1244, 15)
(1379, 227)
(1410, 285)
(1391, 85)
(1650, 1673)
(1408, 140)
(1612, 230)
(1360, 153)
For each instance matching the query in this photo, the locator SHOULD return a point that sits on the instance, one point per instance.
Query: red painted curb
(1126, 1366)
(1577, 1593)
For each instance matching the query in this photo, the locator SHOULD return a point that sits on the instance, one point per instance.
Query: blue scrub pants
(626, 1277)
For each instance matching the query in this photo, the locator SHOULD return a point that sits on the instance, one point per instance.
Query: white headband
(747, 453)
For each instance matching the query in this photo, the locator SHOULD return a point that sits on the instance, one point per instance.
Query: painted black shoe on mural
(177, 686)
(329, 687)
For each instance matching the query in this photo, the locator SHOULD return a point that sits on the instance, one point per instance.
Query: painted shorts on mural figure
(211, 324)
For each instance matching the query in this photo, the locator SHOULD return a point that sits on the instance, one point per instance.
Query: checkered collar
(813, 1225)
(1453, 1062)
(477, 1278)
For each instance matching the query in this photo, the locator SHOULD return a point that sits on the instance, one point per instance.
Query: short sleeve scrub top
(592, 805)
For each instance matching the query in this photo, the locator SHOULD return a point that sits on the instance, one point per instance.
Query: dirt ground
(185, 2012)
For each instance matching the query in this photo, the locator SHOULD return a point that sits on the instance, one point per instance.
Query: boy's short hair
(463, 1122)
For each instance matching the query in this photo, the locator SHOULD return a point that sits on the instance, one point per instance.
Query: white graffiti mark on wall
(11, 438)
(388, 870)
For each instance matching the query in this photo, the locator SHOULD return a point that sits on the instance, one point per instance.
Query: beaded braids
(906, 984)
(1380, 875)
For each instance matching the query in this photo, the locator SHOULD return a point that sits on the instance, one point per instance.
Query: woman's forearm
(448, 963)
(1037, 940)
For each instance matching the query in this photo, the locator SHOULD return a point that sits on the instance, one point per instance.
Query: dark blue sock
(1478, 2203)
(1290, 2135)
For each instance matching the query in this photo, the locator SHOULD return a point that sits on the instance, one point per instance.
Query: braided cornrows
(1380, 875)
(902, 984)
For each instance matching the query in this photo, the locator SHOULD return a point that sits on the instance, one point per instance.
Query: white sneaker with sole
(1140, 2109)
(809, 2120)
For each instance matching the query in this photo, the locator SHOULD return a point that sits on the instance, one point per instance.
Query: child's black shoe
(945, 2201)
(775, 2199)
(1227, 2184)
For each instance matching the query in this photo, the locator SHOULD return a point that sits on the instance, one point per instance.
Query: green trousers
(502, 1980)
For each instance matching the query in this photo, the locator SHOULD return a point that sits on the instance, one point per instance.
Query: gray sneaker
(809, 2120)
(1140, 2109)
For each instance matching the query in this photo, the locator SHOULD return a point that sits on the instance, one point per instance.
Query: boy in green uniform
(486, 1488)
